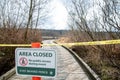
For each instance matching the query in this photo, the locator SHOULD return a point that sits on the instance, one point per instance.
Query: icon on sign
(23, 61)
(51, 73)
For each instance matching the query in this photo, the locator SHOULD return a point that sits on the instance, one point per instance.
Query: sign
(35, 62)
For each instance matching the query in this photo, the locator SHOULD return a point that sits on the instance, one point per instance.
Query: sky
(59, 16)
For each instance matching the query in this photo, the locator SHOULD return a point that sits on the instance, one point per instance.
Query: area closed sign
(35, 62)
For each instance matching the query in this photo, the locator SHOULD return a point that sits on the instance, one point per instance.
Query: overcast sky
(59, 15)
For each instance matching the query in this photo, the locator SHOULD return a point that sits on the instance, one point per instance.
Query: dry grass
(106, 66)
(14, 36)
(63, 40)
(104, 59)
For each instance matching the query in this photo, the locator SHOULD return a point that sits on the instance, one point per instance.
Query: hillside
(55, 33)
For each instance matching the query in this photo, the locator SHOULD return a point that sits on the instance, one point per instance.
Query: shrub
(14, 36)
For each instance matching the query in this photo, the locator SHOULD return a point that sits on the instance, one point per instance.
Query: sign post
(36, 45)
(36, 62)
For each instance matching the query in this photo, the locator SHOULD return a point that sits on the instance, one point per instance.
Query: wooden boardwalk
(67, 67)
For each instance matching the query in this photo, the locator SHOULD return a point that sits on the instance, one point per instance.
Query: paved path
(67, 67)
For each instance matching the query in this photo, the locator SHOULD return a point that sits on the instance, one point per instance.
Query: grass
(99, 63)
(7, 54)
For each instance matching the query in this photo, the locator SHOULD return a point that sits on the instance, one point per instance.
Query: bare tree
(18, 14)
(79, 17)
(37, 7)
(104, 24)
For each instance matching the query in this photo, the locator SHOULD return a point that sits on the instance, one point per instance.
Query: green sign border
(36, 71)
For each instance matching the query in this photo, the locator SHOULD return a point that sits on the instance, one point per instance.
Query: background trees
(22, 14)
(95, 16)
(92, 20)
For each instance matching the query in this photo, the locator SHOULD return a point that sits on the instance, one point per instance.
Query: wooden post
(36, 45)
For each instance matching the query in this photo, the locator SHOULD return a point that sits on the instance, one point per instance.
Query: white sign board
(35, 61)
